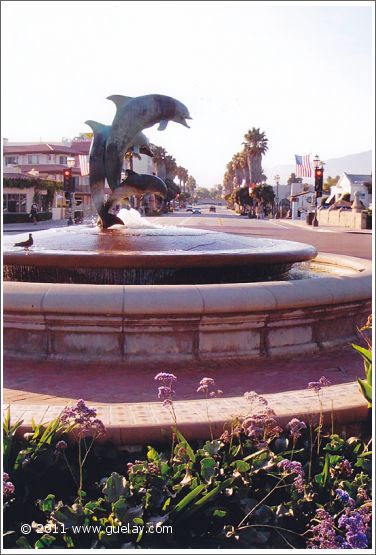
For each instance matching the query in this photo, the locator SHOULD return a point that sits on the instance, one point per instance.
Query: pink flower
(83, 419)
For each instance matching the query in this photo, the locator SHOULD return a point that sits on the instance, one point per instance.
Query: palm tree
(191, 184)
(159, 161)
(182, 175)
(256, 144)
(171, 167)
(238, 167)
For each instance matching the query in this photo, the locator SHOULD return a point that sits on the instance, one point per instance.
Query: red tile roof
(13, 175)
(47, 168)
(38, 148)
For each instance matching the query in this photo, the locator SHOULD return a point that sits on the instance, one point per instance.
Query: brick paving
(126, 396)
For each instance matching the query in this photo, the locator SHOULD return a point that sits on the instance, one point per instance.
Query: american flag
(84, 164)
(303, 165)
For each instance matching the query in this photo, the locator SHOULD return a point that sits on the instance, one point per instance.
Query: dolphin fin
(96, 126)
(163, 124)
(119, 100)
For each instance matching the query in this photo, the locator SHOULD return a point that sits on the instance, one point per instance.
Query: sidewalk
(126, 398)
(328, 228)
(40, 226)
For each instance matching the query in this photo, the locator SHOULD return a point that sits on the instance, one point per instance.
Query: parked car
(212, 209)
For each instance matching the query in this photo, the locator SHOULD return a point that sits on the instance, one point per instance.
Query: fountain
(139, 292)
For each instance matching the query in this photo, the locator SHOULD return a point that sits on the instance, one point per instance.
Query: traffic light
(68, 179)
(319, 179)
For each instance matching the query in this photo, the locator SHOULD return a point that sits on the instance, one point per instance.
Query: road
(326, 239)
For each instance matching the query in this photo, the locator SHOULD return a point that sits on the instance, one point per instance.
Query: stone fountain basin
(174, 324)
(144, 256)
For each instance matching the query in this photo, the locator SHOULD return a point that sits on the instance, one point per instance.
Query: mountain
(360, 163)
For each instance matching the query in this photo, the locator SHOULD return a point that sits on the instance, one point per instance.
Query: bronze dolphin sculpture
(97, 160)
(133, 185)
(133, 115)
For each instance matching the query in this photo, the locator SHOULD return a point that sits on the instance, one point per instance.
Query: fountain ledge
(180, 323)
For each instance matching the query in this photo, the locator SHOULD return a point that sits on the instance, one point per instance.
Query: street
(326, 239)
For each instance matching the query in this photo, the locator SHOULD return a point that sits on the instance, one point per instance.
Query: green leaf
(188, 498)
(23, 543)
(323, 476)
(186, 445)
(48, 504)
(125, 513)
(211, 447)
(152, 454)
(208, 467)
(219, 513)
(44, 542)
(366, 353)
(366, 390)
(67, 516)
(115, 487)
(241, 466)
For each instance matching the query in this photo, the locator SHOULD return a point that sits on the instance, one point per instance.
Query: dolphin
(134, 184)
(133, 115)
(97, 160)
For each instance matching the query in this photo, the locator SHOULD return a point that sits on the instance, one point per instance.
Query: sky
(302, 72)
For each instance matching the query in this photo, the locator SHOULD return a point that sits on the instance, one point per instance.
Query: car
(196, 211)
(212, 209)
(189, 209)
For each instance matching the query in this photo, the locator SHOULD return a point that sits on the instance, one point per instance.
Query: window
(14, 203)
(11, 160)
(63, 159)
(33, 159)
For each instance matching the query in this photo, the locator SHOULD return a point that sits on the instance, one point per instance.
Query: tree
(171, 167)
(159, 161)
(191, 184)
(294, 179)
(255, 146)
(330, 182)
(264, 193)
(182, 175)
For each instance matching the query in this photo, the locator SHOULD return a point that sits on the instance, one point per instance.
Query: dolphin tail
(96, 126)
(119, 100)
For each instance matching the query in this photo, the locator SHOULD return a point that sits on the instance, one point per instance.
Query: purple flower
(345, 497)
(252, 397)
(261, 427)
(207, 382)
(165, 392)
(294, 467)
(205, 385)
(165, 377)
(323, 534)
(83, 419)
(295, 426)
(316, 386)
(345, 468)
(8, 487)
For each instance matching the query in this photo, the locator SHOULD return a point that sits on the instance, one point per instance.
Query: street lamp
(276, 179)
(71, 161)
(317, 164)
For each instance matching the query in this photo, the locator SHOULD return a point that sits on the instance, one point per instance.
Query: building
(350, 183)
(28, 166)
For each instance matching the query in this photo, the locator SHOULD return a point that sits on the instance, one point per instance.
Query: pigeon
(25, 244)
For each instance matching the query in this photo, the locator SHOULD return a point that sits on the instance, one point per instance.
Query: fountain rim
(29, 297)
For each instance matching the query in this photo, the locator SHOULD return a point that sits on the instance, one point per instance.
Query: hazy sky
(300, 71)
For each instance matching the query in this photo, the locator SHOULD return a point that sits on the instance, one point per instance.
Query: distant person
(33, 213)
